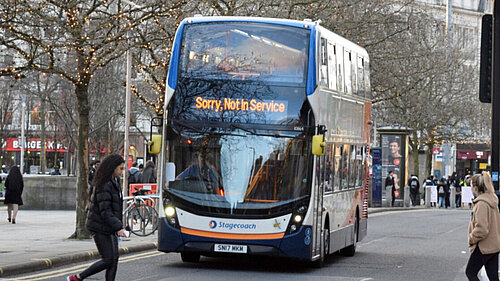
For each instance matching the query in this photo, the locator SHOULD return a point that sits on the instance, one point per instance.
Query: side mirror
(154, 146)
(318, 145)
(170, 171)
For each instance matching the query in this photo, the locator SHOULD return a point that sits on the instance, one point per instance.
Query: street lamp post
(23, 122)
(127, 106)
(127, 121)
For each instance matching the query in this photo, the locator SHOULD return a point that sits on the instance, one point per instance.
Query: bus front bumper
(296, 245)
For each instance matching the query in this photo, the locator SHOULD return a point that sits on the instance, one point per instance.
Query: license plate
(226, 248)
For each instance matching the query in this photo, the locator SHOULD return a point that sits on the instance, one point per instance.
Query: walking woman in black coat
(104, 219)
(13, 190)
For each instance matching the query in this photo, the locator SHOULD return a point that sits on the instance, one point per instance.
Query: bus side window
(347, 71)
(354, 74)
(352, 167)
(368, 93)
(359, 166)
(361, 77)
(340, 67)
(329, 168)
(345, 166)
(324, 64)
(337, 167)
(332, 62)
(360, 158)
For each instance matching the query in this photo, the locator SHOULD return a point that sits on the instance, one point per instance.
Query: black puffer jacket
(105, 213)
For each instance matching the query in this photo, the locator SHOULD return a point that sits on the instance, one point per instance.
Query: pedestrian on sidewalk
(104, 219)
(441, 187)
(414, 188)
(389, 182)
(14, 186)
(149, 173)
(484, 229)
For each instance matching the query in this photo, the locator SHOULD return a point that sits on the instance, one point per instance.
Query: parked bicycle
(140, 215)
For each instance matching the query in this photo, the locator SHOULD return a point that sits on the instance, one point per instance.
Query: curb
(391, 209)
(45, 263)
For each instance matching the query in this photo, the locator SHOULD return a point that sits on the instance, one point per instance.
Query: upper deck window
(270, 53)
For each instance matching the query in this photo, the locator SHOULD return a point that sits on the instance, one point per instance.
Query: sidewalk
(38, 241)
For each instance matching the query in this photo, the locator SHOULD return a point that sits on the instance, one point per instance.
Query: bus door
(318, 204)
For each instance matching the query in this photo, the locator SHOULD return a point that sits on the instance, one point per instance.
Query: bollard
(427, 196)
(453, 197)
(407, 197)
(388, 196)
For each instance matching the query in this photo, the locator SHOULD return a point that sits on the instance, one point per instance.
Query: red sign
(14, 144)
(396, 161)
(471, 154)
(436, 150)
(149, 188)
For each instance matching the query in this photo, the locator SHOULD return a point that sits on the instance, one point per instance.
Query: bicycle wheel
(142, 220)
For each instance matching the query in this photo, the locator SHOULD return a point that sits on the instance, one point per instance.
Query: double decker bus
(265, 140)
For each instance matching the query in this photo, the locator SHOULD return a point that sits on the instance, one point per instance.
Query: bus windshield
(238, 172)
(271, 53)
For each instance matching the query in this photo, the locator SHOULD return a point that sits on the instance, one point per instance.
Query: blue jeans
(441, 201)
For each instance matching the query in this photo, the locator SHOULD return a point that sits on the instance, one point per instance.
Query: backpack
(413, 183)
(132, 177)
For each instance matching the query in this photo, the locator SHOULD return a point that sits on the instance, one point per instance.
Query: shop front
(471, 161)
(55, 154)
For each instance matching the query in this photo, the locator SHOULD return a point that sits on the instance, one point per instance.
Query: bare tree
(423, 85)
(72, 39)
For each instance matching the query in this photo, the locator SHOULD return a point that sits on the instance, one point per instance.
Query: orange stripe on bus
(258, 236)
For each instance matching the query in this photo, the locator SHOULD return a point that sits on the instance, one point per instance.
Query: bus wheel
(349, 251)
(326, 241)
(190, 257)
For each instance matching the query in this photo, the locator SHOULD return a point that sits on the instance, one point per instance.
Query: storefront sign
(465, 154)
(14, 144)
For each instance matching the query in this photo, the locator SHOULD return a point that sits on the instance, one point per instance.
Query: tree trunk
(416, 168)
(82, 193)
(414, 153)
(428, 159)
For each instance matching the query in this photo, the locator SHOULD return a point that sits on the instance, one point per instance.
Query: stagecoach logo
(212, 224)
(231, 226)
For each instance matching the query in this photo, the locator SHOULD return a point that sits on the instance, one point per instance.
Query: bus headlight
(169, 211)
(172, 221)
(298, 218)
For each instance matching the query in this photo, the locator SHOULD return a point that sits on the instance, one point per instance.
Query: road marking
(69, 270)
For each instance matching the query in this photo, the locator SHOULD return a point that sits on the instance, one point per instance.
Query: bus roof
(294, 23)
